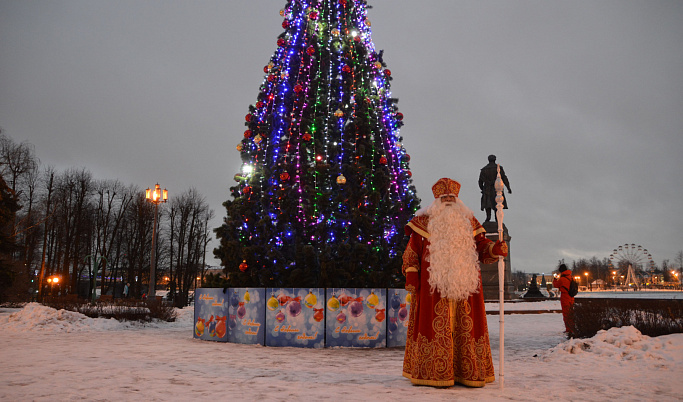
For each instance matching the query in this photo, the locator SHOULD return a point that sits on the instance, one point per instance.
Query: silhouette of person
(487, 180)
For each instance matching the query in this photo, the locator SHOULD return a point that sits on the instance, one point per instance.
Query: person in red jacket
(566, 301)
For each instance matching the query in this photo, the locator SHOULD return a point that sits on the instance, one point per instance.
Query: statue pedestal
(534, 292)
(489, 272)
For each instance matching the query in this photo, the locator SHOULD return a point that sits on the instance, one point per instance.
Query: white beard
(454, 261)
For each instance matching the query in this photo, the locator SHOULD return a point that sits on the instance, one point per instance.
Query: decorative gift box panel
(398, 307)
(356, 317)
(210, 314)
(246, 319)
(295, 317)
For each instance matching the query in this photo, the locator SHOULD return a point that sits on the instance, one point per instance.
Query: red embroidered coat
(448, 341)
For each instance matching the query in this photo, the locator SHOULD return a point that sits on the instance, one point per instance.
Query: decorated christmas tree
(325, 188)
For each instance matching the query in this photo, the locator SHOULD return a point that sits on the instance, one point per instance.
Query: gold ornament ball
(333, 304)
(341, 179)
(372, 300)
(272, 303)
(310, 300)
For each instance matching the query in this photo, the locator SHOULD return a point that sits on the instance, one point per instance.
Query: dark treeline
(613, 274)
(60, 224)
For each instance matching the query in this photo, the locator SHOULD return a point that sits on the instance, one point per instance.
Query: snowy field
(49, 355)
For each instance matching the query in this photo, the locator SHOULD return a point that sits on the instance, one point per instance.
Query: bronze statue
(487, 180)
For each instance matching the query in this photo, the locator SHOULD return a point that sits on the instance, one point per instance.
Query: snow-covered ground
(58, 355)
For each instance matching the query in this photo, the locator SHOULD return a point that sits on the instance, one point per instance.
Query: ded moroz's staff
(501, 272)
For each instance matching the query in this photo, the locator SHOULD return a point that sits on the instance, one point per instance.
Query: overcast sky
(582, 102)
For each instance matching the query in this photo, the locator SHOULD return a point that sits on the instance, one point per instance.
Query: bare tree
(19, 167)
(16, 160)
(62, 217)
(73, 224)
(112, 200)
(49, 176)
(189, 235)
(137, 241)
(678, 262)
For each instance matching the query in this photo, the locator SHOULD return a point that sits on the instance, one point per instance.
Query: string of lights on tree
(323, 163)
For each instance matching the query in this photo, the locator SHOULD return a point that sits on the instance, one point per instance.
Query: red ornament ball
(313, 15)
(281, 42)
(248, 117)
(399, 116)
(346, 68)
(387, 72)
(244, 266)
(383, 160)
(246, 190)
(356, 39)
(259, 105)
(310, 50)
(247, 134)
(307, 137)
(271, 78)
(298, 88)
(285, 24)
(284, 176)
(409, 173)
(406, 158)
(265, 69)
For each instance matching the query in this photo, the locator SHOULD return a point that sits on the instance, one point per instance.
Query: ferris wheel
(632, 258)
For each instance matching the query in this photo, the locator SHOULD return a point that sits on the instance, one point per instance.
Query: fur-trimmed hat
(445, 186)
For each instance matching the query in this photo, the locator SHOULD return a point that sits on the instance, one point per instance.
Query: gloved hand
(500, 248)
(412, 280)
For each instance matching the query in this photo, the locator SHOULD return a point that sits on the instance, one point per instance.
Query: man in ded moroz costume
(448, 339)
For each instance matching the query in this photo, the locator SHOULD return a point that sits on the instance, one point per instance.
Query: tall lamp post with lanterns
(156, 197)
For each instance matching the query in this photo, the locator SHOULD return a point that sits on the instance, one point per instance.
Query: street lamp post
(53, 280)
(156, 197)
(586, 273)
